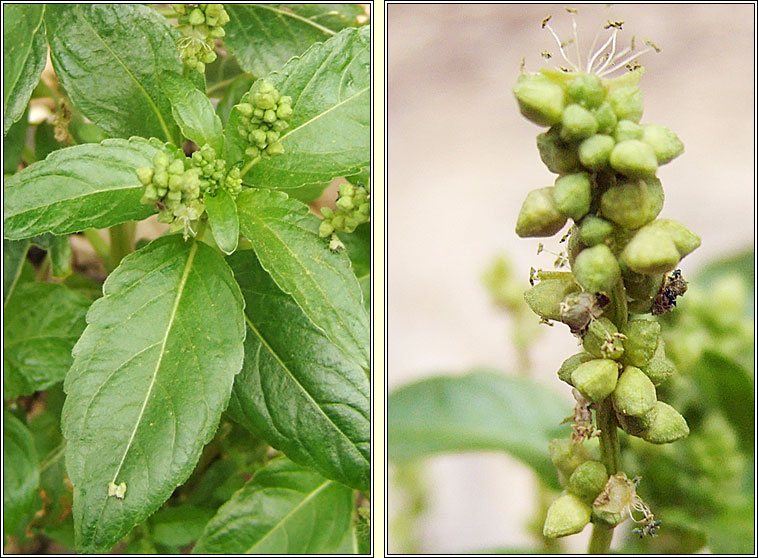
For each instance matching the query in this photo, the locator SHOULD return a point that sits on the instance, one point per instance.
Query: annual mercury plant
(623, 271)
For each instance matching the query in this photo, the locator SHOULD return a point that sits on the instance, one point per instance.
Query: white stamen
(576, 39)
(613, 53)
(560, 46)
(621, 64)
(600, 50)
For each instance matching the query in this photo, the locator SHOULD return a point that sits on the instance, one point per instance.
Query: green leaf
(330, 129)
(296, 389)
(223, 219)
(262, 37)
(151, 374)
(109, 58)
(284, 509)
(24, 57)
(13, 144)
(42, 323)
(179, 526)
(232, 96)
(358, 246)
(193, 112)
(77, 188)
(14, 256)
(44, 141)
(285, 239)
(59, 249)
(727, 385)
(20, 474)
(481, 411)
(732, 530)
(741, 264)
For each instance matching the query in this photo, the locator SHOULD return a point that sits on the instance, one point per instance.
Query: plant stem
(610, 453)
(98, 244)
(248, 166)
(219, 85)
(600, 542)
(44, 268)
(122, 242)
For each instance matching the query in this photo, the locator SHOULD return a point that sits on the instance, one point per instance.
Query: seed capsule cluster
(353, 209)
(200, 25)
(177, 186)
(621, 257)
(263, 117)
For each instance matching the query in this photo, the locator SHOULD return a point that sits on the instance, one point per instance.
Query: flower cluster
(200, 25)
(620, 256)
(263, 116)
(213, 174)
(353, 209)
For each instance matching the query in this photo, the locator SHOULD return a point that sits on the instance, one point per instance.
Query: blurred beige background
(461, 160)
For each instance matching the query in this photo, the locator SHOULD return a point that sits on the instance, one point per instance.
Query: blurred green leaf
(482, 410)
(20, 474)
(742, 264)
(179, 526)
(731, 532)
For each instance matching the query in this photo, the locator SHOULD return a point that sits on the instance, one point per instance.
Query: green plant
(215, 386)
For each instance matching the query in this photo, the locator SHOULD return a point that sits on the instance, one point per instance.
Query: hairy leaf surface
(151, 375)
(224, 221)
(284, 509)
(265, 36)
(296, 389)
(329, 134)
(479, 411)
(193, 111)
(77, 188)
(285, 239)
(24, 57)
(42, 323)
(20, 473)
(108, 58)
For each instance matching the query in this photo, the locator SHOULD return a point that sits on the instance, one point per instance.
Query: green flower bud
(175, 182)
(664, 142)
(571, 364)
(200, 67)
(208, 57)
(165, 216)
(557, 156)
(587, 90)
(271, 136)
(634, 394)
(345, 203)
(642, 337)
(325, 229)
(270, 116)
(160, 161)
(545, 297)
(284, 111)
(595, 151)
(634, 158)
(567, 456)
(160, 178)
(145, 175)
(596, 379)
(196, 17)
(176, 167)
(275, 148)
(572, 195)
(174, 195)
(666, 425)
(252, 152)
(539, 99)
(685, 240)
(606, 118)
(627, 130)
(596, 269)
(602, 340)
(539, 216)
(577, 123)
(659, 368)
(587, 481)
(626, 103)
(594, 230)
(632, 203)
(651, 251)
(575, 245)
(568, 515)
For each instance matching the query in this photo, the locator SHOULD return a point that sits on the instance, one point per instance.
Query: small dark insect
(160, 206)
(673, 286)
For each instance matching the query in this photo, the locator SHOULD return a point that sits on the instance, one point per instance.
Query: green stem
(122, 242)
(610, 453)
(600, 542)
(44, 268)
(98, 244)
(248, 166)
(219, 85)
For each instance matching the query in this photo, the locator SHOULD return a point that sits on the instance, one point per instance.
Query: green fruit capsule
(567, 456)
(596, 269)
(539, 216)
(665, 143)
(160, 161)
(577, 123)
(633, 158)
(633, 202)
(627, 130)
(596, 379)
(659, 368)
(572, 195)
(634, 395)
(196, 17)
(145, 175)
(284, 111)
(651, 251)
(568, 515)
(325, 229)
(571, 364)
(606, 118)
(557, 156)
(685, 240)
(666, 425)
(642, 337)
(270, 116)
(539, 99)
(587, 90)
(160, 178)
(545, 297)
(626, 103)
(595, 151)
(587, 481)
(176, 167)
(275, 148)
(602, 340)
(594, 230)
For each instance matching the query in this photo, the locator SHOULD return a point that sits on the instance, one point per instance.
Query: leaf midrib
(26, 58)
